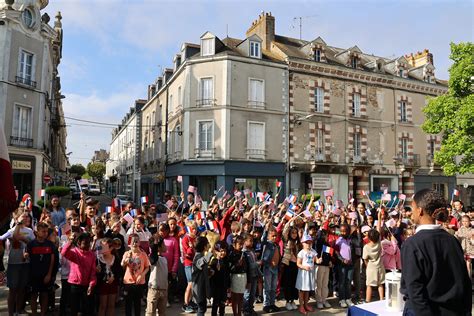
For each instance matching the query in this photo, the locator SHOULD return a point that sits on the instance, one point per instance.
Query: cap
(365, 229)
(306, 237)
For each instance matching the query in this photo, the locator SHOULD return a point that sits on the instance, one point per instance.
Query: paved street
(104, 200)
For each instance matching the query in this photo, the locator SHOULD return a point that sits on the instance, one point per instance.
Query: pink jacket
(82, 265)
(172, 253)
(390, 255)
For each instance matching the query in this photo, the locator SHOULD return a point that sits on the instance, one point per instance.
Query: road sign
(46, 178)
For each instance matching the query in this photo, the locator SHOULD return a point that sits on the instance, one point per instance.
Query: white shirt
(427, 227)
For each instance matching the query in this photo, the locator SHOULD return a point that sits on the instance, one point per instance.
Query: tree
(452, 114)
(96, 170)
(77, 169)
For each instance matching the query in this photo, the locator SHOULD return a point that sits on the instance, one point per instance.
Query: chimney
(151, 91)
(159, 83)
(264, 27)
(420, 58)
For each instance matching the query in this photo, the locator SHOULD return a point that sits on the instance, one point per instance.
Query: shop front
(23, 174)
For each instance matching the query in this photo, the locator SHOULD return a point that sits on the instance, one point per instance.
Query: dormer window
(207, 47)
(255, 50)
(317, 55)
(354, 62)
(400, 73)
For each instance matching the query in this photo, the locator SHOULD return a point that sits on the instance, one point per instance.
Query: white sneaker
(349, 302)
(294, 306)
(342, 303)
(289, 306)
(168, 305)
(320, 306)
(327, 305)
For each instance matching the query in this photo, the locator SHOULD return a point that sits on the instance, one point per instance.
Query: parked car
(72, 186)
(124, 199)
(76, 194)
(94, 189)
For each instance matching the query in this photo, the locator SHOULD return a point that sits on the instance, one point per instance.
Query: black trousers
(80, 301)
(133, 298)
(65, 295)
(288, 281)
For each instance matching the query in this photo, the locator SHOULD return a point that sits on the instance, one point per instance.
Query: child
(136, 264)
(144, 235)
(345, 265)
(465, 235)
(158, 282)
(258, 248)
(305, 281)
(291, 247)
(322, 270)
(375, 272)
(253, 273)
(238, 276)
(187, 244)
(235, 227)
(82, 274)
(41, 254)
(109, 272)
(172, 257)
(270, 262)
(200, 274)
(220, 278)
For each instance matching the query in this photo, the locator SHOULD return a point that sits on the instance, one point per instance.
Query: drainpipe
(166, 143)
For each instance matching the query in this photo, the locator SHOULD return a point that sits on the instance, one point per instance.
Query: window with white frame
(354, 62)
(177, 140)
(256, 140)
(255, 49)
(319, 100)
(206, 92)
(356, 105)
(170, 104)
(22, 122)
(319, 142)
(405, 149)
(317, 55)
(205, 135)
(26, 67)
(207, 47)
(256, 92)
(403, 111)
(357, 145)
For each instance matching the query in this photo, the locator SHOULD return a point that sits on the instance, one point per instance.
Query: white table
(371, 309)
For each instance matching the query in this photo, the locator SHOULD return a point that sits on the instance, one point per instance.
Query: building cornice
(334, 71)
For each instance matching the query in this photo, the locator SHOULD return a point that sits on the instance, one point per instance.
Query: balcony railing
(204, 153)
(255, 153)
(21, 141)
(205, 102)
(25, 81)
(177, 155)
(256, 104)
(430, 160)
(410, 160)
(320, 157)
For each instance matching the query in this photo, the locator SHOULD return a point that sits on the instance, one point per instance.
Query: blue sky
(114, 48)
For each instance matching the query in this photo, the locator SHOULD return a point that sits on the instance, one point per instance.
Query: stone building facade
(30, 94)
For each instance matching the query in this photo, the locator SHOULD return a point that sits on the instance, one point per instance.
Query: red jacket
(224, 223)
(187, 244)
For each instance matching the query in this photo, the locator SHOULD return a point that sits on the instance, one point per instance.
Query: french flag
(27, 200)
(278, 184)
(201, 215)
(402, 196)
(212, 225)
(108, 209)
(289, 214)
(144, 199)
(7, 193)
(456, 192)
(329, 250)
(133, 212)
(42, 193)
(116, 205)
(292, 198)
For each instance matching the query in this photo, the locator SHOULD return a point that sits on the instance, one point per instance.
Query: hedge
(57, 190)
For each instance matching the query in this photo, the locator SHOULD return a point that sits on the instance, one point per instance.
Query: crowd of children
(235, 250)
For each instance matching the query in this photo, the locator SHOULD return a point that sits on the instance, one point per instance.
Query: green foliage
(58, 190)
(96, 170)
(452, 114)
(77, 169)
(307, 197)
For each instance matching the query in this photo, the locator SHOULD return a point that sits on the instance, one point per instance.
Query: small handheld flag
(42, 193)
(329, 250)
(402, 196)
(116, 204)
(278, 184)
(191, 189)
(386, 197)
(289, 214)
(292, 198)
(108, 209)
(179, 179)
(144, 199)
(133, 212)
(128, 218)
(329, 193)
(201, 215)
(456, 192)
(307, 213)
(162, 217)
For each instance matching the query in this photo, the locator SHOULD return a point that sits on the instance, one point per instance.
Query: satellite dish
(465, 185)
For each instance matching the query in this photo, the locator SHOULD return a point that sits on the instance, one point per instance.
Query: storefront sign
(21, 165)
(321, 183)
(240, 180)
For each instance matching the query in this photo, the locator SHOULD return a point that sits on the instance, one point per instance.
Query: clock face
(28, 18)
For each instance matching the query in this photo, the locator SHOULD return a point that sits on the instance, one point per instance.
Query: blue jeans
(345, 278)
(249, 295)
(270, 279)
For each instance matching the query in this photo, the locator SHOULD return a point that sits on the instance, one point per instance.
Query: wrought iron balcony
(320, 157)
(412, 160)
(21, 141)
(25, 81)
(204, 153)
(256, 104)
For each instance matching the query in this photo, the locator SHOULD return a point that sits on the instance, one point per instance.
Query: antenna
(300, 18)
(227, 30)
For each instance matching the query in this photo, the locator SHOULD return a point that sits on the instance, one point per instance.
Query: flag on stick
(144, 200)
(329, 250)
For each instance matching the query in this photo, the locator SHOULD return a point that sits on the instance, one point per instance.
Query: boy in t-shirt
(40, 251)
